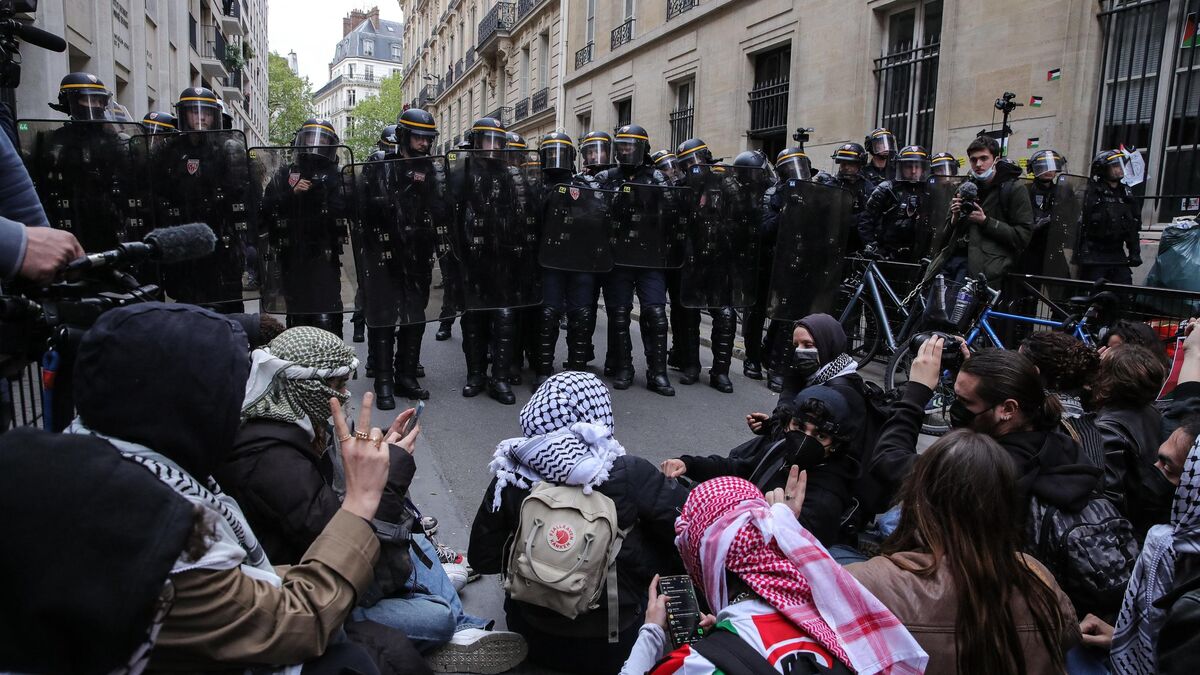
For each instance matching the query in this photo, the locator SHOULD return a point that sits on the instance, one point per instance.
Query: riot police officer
(894, 220)
(943, 165)
(1044, 192)
(301, 214)
(685, 322)
(882, 146)
(160, 123)
(1108, 245)
(596, 152)
(851, 162)
(387, 146)
(83, 97)
(631, 151)
(666, 162)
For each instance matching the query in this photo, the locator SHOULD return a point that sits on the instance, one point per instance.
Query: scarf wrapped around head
(831, 342)
(727, 525)
(568, 426)
(287, 377)
(1139, 623)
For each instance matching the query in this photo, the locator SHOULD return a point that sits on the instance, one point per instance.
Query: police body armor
(725, 236)
(1110, 222)
(576, 229)
(897, 218)
(810, 249)
(1057, 207)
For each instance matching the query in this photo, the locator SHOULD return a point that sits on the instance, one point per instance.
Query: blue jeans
(430, 611)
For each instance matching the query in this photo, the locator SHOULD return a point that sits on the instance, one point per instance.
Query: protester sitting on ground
(782, 603)
(86, 578)
(820, 440)
(820, 358)
(954, 573)
(1130, 426)
(164, 385)
(282, 472)
(568, 441)
(1066, 366)
(1126, 332)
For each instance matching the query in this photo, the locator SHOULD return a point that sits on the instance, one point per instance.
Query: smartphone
(412, 421)
(683, 611)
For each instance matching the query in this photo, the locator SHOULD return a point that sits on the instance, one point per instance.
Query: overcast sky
(312, 28)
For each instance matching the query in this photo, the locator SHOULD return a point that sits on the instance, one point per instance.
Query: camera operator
(993, 231)
(28, 246)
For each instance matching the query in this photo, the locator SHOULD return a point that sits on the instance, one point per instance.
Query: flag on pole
(1035, 101)
(1053, 75)
(1189, 32)
(1032, 143)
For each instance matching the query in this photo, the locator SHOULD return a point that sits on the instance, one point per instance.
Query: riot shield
(300, 217)
(813, 227)
(203, 176)
(495, 228)
(1057, 209)
(402, 226)
(576, 229)
(935, 227)
(724, 237)
(89, 177)
(650, 225)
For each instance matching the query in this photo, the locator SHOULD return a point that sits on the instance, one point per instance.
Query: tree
(289, 100)
(374, 113)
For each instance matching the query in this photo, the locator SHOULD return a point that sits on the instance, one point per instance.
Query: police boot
(579, 340)
(654, 339)
(620, 347)
(360, 326)
(547, 340)
(688, 346)
(780, 347)
(382, 339)
(723, 332)
(591, 316)
(504, 344)
(408, 350)
(373, 335)
(752, 332)
(475, 351)
(443, 331)
(334, 323)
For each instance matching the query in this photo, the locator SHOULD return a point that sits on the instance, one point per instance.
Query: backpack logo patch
(560, 537)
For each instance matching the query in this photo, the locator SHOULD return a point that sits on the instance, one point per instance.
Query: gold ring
(362, 435)
(348, 437)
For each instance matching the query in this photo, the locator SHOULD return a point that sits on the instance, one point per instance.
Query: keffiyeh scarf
(568, 427)
(727, 525)
(1139, 623)
(287, 377)
(843, 364)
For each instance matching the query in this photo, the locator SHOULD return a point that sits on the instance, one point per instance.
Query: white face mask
(986, 175)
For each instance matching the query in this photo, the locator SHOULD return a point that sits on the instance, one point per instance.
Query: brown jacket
(927, 606)
(224, 618)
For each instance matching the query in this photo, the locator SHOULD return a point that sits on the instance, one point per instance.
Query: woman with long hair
(953, 571)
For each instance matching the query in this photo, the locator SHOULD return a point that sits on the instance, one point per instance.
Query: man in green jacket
(990, 233)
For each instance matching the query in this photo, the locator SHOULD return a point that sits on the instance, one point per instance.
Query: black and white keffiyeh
(842, 364)
(568, 427)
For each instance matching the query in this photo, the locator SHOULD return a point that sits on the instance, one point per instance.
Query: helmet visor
(316, 139)
(199, 115)
(487, 139)
(912, 169)
(944, 166)
(630, 151)
(1045, 163)
(596, 153)
(558, 155)
(794, 166)
(152, 126)
(883, 144)
(689, 159)
(90, 105)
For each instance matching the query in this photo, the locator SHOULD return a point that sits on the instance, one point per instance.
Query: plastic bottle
(962, 303)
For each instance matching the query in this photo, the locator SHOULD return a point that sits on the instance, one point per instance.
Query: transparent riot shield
(204, 177)
(934, 232)
(89, 177)
(813, 227)
(577, 229)
(495, 228)
(402, 228)
(650, 225)
(1057, 209)
(725, 234)
(300, 219)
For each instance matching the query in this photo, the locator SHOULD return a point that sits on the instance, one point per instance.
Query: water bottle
(962, 303)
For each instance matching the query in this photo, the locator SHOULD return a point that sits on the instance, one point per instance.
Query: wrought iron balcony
(470, 57)
(622, 34)
(677, 7)
(504, 114)
(524, 7)
(458, 69)
(584, 56)
(769, 105)
(521, 110)
(499, 18)
(539, 100)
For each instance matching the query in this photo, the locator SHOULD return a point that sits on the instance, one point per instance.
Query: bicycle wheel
(937, 411)
(862, 329)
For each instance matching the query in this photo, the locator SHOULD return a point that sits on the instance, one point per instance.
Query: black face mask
(960, 416)
(1157, 493)
(804, 451)
(804, 362)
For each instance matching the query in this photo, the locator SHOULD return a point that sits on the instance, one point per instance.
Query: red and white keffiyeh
(726, 524)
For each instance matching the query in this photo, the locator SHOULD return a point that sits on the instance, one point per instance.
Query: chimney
(357, 16)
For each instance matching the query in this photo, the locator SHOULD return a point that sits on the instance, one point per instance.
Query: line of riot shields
(322, 234)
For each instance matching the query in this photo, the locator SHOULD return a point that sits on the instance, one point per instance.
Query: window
(906, 75)
(583, 122)
(368, 47)
(524, 72)
(683, 114)
(350, 70)
(769, 98)
(543, 56)
(395, 52)
(370, 73)
(629, 9)
(349, 123)
(351, 97)
(591, 21)
(624, 110)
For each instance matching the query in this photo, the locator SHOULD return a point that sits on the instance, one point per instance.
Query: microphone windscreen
(968, 191)
(182, 242)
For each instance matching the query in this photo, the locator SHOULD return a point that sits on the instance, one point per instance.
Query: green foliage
(289, 100)
(372, 115)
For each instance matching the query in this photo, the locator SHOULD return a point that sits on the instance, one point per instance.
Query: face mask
(805, 362)
(960, 416)
(1158, 493)
(986, 175)
(804, 451)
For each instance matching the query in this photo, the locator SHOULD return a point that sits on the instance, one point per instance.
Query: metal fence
(1154, 306)
(521, 110)
(540, 100)
(622, 34)
(499, 18)
(906, 92)
(681, 125)
(23, 399)
(584, 56)
(769, 105)
(677, 7)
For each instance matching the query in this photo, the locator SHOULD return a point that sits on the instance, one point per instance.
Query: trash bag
(1177, 265)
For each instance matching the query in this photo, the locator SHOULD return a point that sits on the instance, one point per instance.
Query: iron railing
(584, 56)
(540, 100)
(234, 80)
(458, 69)
(503, 113)
(213, 46)
(769, 106)
(521, 110)
(470, 57)
(193, 30)
(499, 18)
(677, 7)
(524, 7)
(23, 401)
(681, 125)
(622, 34)
(231, 8)
(906, 92)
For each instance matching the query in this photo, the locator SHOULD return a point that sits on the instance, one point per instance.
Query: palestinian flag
(1035, 101)
(1033, 143)
(1189, 33)
(1053, 75)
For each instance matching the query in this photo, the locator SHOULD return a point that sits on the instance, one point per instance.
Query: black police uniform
(1108, 235)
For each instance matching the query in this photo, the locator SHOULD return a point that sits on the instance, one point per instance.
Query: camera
(802, 135)
(968, 207)
(952, 358)
(1005, 103)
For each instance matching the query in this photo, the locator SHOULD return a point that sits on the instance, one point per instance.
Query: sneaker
(474, 650)
(457, 573)
(429, 525)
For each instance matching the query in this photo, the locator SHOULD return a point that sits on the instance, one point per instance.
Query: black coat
(646, 500)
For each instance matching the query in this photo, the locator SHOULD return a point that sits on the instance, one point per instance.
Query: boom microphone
(165, 245)
(36, 36)
(968, 191)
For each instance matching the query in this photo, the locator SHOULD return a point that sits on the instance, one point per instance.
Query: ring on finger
(347, 437)
(362, 435)
(787, 496)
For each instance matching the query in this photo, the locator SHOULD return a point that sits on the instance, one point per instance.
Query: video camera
(1006, 104)
(12, 32)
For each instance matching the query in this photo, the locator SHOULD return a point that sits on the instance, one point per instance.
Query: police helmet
(632, 145)
(596, 149)
(912, 164)
(557, 152)
(160, 123)
(198, 109)
(693, 151)
(515, 141)
(1105, 159)
(488, 133)
(317, 137)
(849, 153)
(666, 162)
(881, 142)
(1044, 161)
(944, 164)
(387, 139)
(793, 163)
(84, 97)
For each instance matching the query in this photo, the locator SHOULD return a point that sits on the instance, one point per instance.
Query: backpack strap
(614, 610)
(732, 655)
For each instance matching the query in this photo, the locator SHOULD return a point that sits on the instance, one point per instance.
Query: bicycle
(864, 315)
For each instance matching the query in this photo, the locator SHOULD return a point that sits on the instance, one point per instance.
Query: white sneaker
(457, 573)
(474, 650)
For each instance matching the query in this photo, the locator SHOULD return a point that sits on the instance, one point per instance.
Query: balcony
(504, 114)
(540, 100)
(470, 57)
(622, 34)
(425, 96)
(521, 110)
(497, 23)
(525, 7)
(677, 7)
(769, 106)
(231, 17)
(231, 87)
(458, 69)
(212, 53)
(584, 56)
